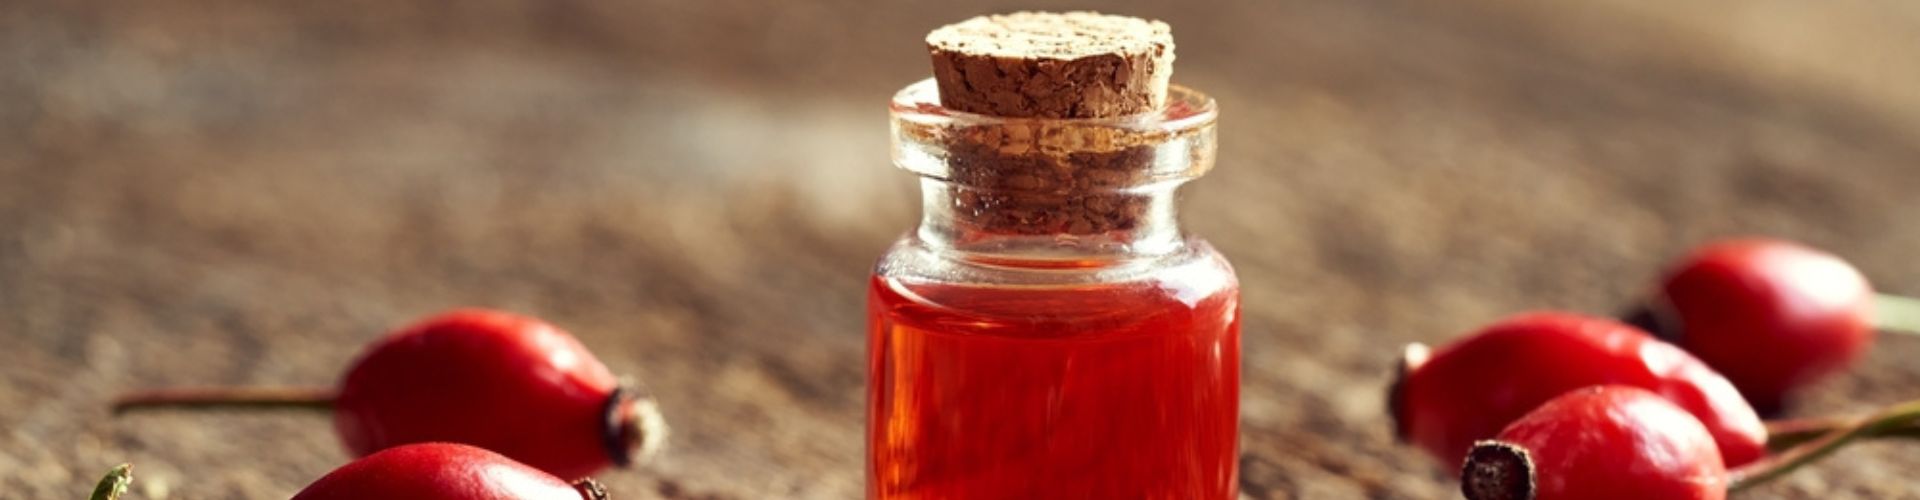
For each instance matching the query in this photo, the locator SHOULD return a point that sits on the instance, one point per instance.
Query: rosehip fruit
(512, 384)
(1771, 315)
(444, 471)
(1469, 390)
(1598, 443)
(508, 383)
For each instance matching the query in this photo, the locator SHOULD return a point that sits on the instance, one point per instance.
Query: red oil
(1115, 391)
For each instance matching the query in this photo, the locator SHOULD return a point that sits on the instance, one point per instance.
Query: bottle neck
(1050, 228)
(1041, 192)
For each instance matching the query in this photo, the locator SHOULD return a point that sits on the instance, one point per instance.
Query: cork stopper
(1058, 157)
(1053, 65)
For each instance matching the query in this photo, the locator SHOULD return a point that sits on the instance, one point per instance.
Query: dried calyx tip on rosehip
(1497, 470)
(1412, 357)
(635, 430)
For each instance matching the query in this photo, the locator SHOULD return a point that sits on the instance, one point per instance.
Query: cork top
(1053, 65)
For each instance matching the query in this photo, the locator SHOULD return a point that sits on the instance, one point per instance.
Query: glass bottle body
(1122, 386)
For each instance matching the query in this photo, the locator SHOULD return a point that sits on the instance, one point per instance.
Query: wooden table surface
(246, 192)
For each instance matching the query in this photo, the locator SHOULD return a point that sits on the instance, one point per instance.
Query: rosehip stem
(1783, 435)
(226, 397)
(1902, 417)
(114, 484)
(1896, 313)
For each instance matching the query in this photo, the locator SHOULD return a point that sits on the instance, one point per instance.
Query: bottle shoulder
(1194, 286)
(1195, 264)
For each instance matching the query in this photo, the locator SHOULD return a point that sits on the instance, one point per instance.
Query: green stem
(114, 484)
(1894, 418)
(226, 397)
(1783, 435)
(1895, 313)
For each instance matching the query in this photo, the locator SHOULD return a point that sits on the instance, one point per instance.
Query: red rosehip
(507, 383)
(1598, 443)
(1771, 315)
(1469, 390)
(444, 471)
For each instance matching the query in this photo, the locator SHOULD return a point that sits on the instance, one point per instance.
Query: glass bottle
(1048, 330)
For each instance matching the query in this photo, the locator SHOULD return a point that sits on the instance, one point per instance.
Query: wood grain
(244, 192)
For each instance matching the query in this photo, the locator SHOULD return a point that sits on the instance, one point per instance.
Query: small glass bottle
(1049, 331)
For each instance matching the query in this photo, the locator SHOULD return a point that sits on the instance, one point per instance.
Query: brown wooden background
(245, 192)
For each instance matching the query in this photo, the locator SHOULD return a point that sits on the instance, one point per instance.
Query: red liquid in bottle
(1104, 391)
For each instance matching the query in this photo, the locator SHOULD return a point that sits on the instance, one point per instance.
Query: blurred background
(246, 192)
